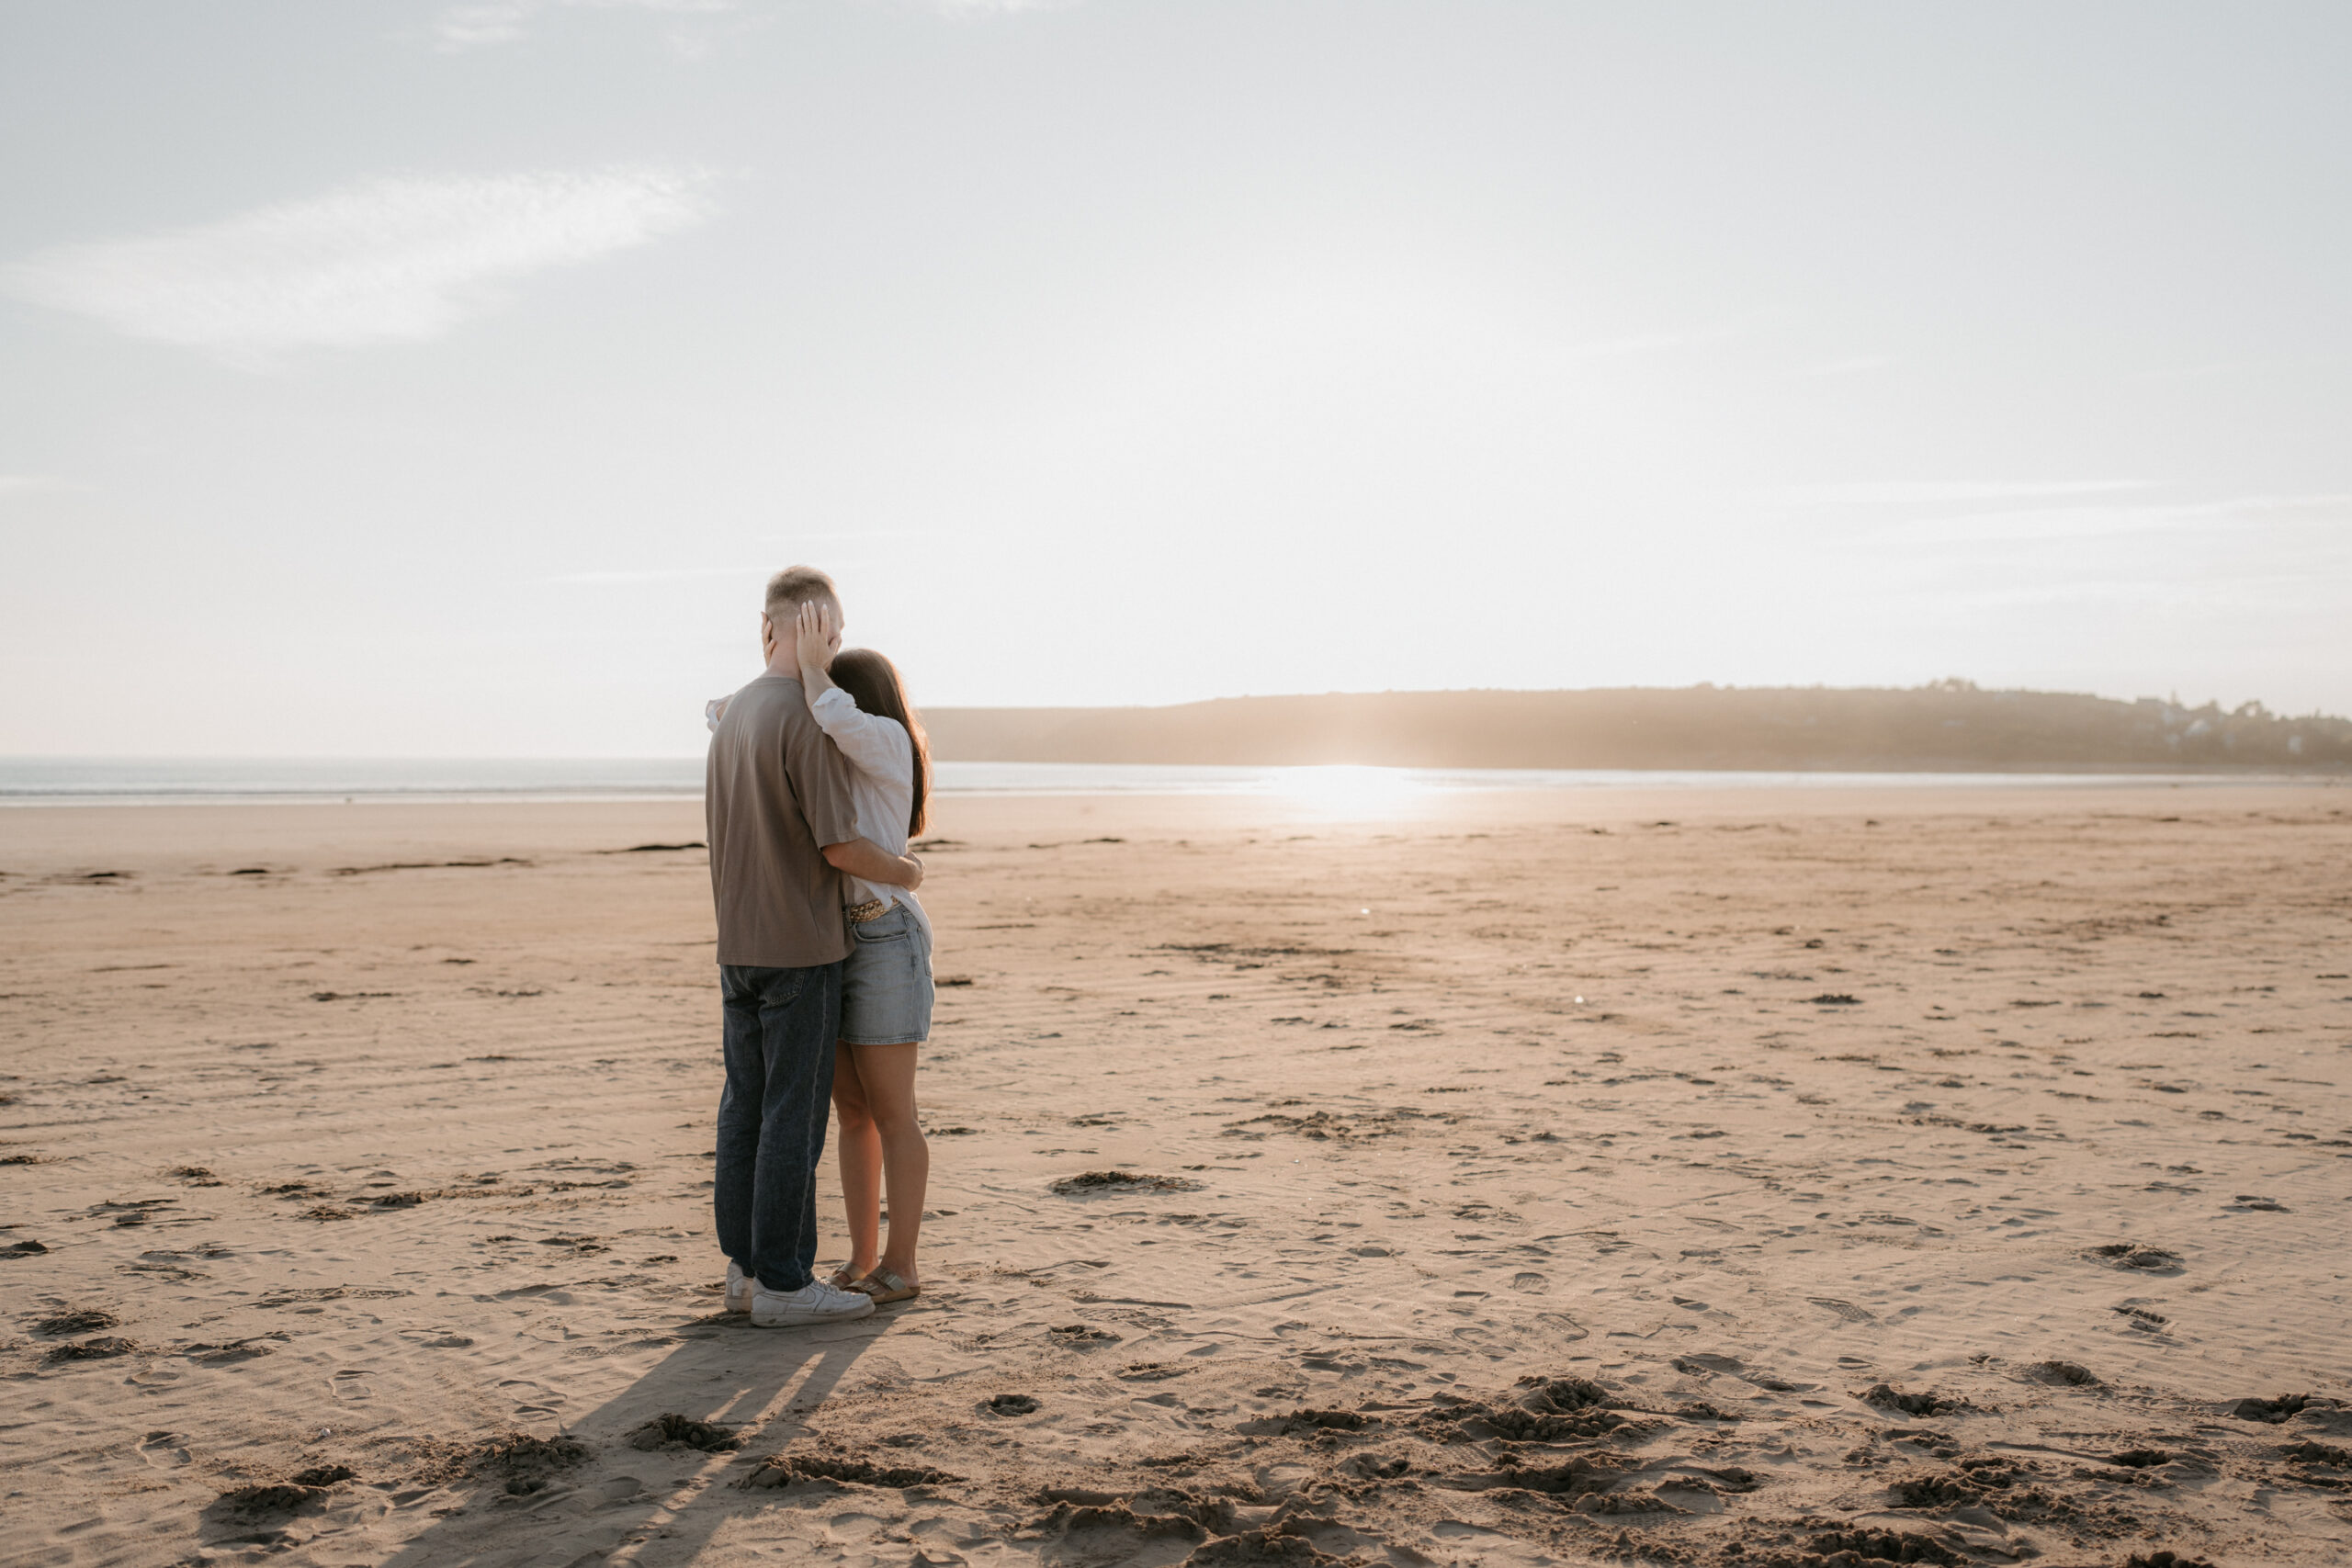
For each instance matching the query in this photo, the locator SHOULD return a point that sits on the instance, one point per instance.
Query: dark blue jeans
(781, 1024)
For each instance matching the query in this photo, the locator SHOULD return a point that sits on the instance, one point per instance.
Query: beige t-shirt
(777, 789)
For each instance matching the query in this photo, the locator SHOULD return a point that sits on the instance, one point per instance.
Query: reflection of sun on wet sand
(1931, 1175)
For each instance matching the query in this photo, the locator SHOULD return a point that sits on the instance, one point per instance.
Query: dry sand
(371, 1138)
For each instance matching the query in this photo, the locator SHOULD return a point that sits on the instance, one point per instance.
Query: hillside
(1951, 726)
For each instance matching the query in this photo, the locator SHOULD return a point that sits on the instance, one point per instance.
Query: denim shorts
(886, 985)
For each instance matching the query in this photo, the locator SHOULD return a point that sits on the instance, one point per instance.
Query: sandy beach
(1713, 1177)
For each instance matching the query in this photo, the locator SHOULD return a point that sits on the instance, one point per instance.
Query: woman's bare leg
(886, 1075)
(861, 1159)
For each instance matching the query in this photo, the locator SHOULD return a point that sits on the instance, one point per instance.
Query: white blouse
(883, 789)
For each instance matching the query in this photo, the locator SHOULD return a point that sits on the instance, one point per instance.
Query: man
(782, 827)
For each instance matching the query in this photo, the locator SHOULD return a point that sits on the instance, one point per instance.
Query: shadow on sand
(672, 1499)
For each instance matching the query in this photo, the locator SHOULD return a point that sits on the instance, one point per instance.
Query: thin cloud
(1654, 342)
(493, 24)
(490, 23)
(787, 552)
(25, 484)
(1859, 364)
(2279, 555)
(396, 260)
(654, 574)
(2236, 517)
(1908, 492)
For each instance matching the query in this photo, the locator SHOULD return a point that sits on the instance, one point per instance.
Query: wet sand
(1713, 1177)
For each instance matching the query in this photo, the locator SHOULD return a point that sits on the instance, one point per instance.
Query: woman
(856, 696)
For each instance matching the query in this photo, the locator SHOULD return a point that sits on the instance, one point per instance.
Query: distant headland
(1951, 726)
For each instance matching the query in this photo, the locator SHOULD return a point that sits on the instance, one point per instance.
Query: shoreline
(1121, 780)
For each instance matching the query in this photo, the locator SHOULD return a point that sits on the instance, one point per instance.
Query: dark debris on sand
(523, 1462)
(229, 1351)
(1273, 1544)
(528, 1464)
(671, 1427)
(783, 1469)
(265, 1498)
(1610, 1503)
(1578, 1477)
(2139, 1458)
(1858, 1549)
(1887, 1396)
(103, 1347)
(2309, 1452)
(2274, 1409)
(1123, 1181)
(1324, 1420)
(1067, 1519)
(1552, 1410)
(2137, 1255)
(81, 1322)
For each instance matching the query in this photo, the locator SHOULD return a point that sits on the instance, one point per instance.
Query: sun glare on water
(1345, 790)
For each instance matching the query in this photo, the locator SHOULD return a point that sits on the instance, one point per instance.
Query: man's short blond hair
(794, 586)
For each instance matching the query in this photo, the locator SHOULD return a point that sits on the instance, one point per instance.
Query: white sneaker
(815, 1302)
(739, 1288)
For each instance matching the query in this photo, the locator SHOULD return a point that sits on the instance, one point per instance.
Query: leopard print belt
(872, 909)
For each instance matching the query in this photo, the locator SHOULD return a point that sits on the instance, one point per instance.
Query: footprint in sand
(1567, 1327)
(531, 1398)
(1532, 1284)
(1701, 1362)
(162, 1450)
(1082, 1334)
(352, 1386)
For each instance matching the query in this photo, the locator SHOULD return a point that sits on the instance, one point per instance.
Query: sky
(444, 380)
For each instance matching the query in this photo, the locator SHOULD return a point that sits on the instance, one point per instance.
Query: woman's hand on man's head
(815, 635)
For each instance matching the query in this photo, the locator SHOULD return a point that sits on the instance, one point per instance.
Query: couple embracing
(818, 776)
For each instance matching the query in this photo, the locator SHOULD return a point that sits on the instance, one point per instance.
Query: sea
(127, 781)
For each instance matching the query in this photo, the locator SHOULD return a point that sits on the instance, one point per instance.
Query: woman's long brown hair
(873, 683)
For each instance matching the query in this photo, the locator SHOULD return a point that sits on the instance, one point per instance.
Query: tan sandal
(885, 1287)
(842, 1279)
